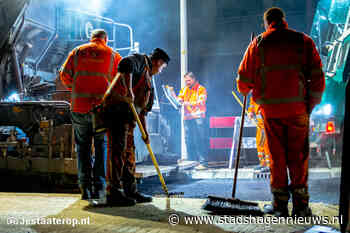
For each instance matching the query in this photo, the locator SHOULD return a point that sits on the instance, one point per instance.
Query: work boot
(306, 212)
(140, 198)
(130, 191)
(118, 198)
(279, 206)
(301, 207)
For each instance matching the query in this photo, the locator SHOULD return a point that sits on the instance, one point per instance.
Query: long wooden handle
(240, 137)
(153, 157)
(239, 147)
(110, 87)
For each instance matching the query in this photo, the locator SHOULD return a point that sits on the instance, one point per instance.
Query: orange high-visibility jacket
(197, 97)
(276, 66)
(87, 72)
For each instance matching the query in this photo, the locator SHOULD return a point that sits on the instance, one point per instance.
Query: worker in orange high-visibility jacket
(283, 70)
(261, 142)
(87, 72)
(193, 97)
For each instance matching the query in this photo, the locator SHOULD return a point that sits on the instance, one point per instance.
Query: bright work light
(14, 97)
(327, 109)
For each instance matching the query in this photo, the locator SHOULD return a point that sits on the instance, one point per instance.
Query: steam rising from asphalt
(98, 7)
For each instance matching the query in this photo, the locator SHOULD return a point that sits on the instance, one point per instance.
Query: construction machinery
(36, 136)
(331, 33)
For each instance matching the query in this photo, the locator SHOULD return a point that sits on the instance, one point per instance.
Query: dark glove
(98, 119)
(97, 108)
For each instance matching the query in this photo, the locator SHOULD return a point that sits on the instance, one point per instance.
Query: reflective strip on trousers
(262, 138)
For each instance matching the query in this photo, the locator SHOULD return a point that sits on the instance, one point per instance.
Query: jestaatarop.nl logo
(48, 221)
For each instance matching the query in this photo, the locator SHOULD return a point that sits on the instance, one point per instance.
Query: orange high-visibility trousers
(287, 140)
(261, 144)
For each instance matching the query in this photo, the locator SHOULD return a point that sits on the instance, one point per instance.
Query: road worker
(87, 72)
(254, 114)
(133, 86)
(283, 70)
(193, 97)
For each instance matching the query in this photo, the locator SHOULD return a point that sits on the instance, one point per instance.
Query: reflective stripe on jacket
(276, 66)
(87, 72)
(197, 97)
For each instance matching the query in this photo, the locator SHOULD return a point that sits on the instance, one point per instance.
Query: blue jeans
(90, 173)
(195, 139)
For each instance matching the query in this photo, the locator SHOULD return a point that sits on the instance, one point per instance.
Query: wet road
(321, 190)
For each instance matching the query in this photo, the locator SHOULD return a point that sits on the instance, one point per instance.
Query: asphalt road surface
(321, 190)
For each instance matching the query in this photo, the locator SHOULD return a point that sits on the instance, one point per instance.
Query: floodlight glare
(14, 97)
(327, 109)
(95, 5)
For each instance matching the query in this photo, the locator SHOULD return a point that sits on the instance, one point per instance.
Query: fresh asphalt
(324, 190)
(321, 188)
